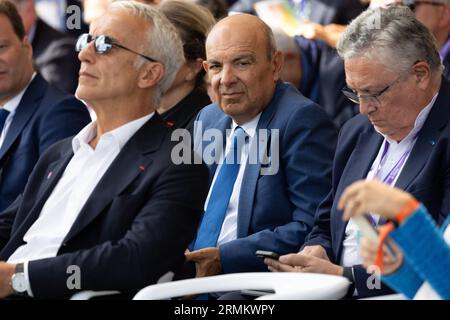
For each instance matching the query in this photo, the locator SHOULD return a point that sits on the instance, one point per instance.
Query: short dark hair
(9, 10)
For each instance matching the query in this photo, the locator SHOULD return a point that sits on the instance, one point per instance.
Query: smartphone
(257, 293)
(370, 232)
(267, 254)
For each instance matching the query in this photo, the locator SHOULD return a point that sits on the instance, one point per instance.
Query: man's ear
(277, 63)
(444, 17)
(150, 75)
(26, 44)
(422, 74)
(205, 65)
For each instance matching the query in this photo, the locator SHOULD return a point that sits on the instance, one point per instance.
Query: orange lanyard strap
(384, 230)
(406, 210)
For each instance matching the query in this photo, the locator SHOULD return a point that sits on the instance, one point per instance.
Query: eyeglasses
(355, 97)
(412, 4)
(103, 44)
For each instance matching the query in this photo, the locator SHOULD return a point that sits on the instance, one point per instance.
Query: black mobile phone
(267, 254)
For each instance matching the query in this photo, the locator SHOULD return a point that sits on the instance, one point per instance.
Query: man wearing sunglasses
(402, 138)
(435, 15)
(109, 202)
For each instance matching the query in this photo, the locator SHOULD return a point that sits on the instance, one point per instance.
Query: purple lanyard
(390, 177)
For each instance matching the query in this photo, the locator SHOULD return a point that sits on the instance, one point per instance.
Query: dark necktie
(3, 115)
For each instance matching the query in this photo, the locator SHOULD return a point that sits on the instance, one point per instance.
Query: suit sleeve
(306, 150)
(6, 221)
(153, 245)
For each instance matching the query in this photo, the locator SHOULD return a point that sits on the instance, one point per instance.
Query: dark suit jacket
(43, 117)
(276, 211)
(426, 175)
(55, 57)
(134, 227)
(183, 114)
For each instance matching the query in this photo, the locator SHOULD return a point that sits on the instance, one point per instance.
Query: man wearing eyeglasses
(402, 137)
(108, 209)
(435, 15)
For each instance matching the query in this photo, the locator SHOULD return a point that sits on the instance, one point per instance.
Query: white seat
(287, 286)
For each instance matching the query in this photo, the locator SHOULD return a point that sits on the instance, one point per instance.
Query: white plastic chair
(287, 286)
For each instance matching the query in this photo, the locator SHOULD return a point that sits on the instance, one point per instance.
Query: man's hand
(300, 262)
(315, 251)
(6, 272)
(369, 250)
(207, 261)
(364, 196)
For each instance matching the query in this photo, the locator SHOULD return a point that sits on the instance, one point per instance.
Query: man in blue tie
(33, 115)
(275, 165)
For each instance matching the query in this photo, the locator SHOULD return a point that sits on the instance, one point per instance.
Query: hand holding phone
(267, 254)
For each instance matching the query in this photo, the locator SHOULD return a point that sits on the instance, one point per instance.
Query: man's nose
(366, 106)
(228, 77)
(87, 54)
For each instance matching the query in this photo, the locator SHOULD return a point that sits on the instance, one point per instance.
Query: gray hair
(163, 43)
(284, 42)
(392, 36)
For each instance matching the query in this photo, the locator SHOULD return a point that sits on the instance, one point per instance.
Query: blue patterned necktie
(222, 189)
(3, 115)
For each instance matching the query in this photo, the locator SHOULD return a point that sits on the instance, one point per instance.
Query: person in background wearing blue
(420, 269)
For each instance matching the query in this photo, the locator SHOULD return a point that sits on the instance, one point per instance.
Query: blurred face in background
(27, 13)
(16, 65)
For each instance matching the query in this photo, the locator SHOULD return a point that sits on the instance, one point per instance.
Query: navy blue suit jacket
(43, 117)
(276, 211)
(426, 175)
(134, 227)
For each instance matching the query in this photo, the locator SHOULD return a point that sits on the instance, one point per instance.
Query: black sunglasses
(103, 44)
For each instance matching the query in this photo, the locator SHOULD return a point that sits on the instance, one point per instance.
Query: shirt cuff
(27, 279)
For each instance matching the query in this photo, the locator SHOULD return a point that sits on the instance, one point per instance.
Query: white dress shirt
(350, 254)
(44, 238)
(11, 106)
(229, 225)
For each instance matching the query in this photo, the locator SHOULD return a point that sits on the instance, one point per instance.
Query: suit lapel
(251, 174)
(27, 107)
(427, 139)
(134, 159)
(219, 144)
(50, 179)
(358, 165)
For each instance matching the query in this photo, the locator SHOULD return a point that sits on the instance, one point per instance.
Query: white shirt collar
(418, 124)
(121, 134)
(14, 102)
(249, 127)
